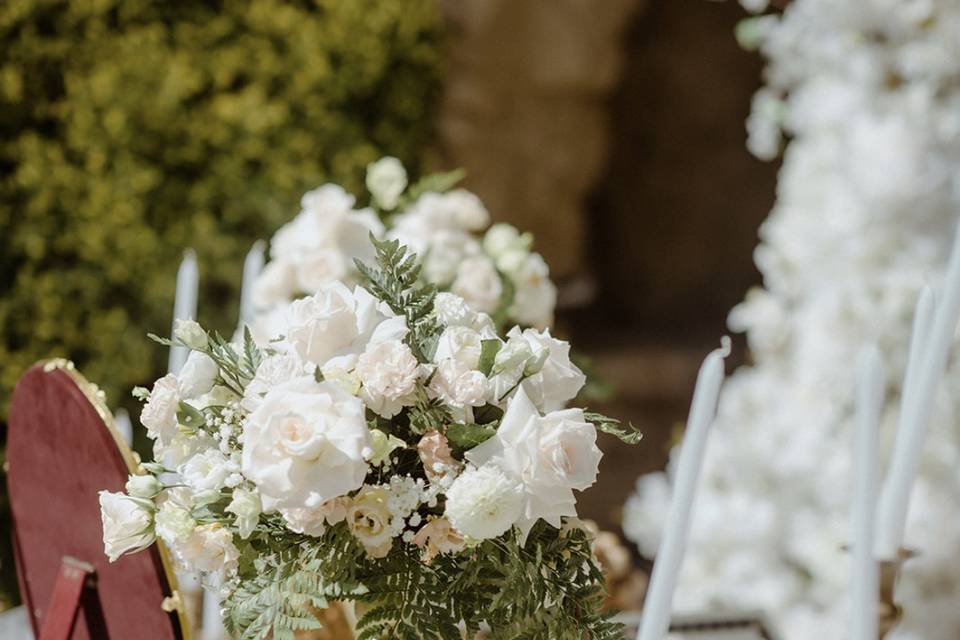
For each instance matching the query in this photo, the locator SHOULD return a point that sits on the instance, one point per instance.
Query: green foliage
(131, 129)
(628, 434)
(395, 281)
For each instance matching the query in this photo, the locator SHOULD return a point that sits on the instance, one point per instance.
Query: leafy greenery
(628, 434)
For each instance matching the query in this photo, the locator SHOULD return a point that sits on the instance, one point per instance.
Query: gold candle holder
(888, 611)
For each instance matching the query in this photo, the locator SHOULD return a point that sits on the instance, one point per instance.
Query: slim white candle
(895, 499)
(121, 419)
(889, 534)
(865, 586)
(211, 627)
(658, 605)
(185, 305)
(251, 269)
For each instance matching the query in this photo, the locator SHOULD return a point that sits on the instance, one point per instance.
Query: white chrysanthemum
(484, 502)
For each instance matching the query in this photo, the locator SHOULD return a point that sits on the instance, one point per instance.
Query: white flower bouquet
(386, 447)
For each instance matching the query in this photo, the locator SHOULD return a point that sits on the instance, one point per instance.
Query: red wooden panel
(61, 453)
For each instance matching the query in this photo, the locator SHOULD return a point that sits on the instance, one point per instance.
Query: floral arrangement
(496, 273)
(867, 95)
(386, 447)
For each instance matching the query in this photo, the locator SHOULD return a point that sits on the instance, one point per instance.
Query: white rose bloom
(245, 505)
(484, 502)
(337, 322)
(386, 180)
(207, 470)
(535, 295)
(159, 414)
(552, 455)
(461, 344)
(127, 524)
(321, 267)
(197, 375)
(143, 486)
(313, 521)
(304, 444)
(447, 250)
(479, 284)
(559, 380)
(274, 370)
(369, 520)
(210, 548)
(190, 333)
(459, 386)
(468, 209)
(276, 283)
(388, 371)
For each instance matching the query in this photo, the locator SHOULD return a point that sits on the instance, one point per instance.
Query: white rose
(143, 486)
(388, 371)
(552, 455)
(336, 322)
(190, 333)
(535, 295)
(304, 444)
(479, 284)
(159, 414)
(127, 524)
(461, 344)
(207, 470)
(210, 548)
(320, 267)
(181, 447)
(197, 376)
(369, 521)
(502, 238)
(386, 180)
(468, 210)
(484, 502)
(276, 283)
(459, 386)
(245, 505)
(559, 380)
(446, 251)
(313, 521)
(274, 370)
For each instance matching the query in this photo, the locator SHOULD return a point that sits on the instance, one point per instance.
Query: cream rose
(557, 380)
(127, 524)
(369, 521)
(305, 444)
(479, 284)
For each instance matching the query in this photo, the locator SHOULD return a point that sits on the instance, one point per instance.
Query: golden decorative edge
(98, 401)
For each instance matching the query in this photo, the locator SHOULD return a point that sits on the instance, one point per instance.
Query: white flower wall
(867, 93)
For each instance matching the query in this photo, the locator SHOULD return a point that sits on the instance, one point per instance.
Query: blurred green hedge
(131, 129)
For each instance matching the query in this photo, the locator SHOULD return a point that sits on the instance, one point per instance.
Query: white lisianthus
(503, 238)
(197, 376)
(479, 284)
(127, 524)
(207, 470)
(274, 370)
(388, 371)
(552, 455)
(558, 380)
(535, 295)
(174, 523)
(245, 505)
(143, 486)
(210, 548)
(484, 502)
(386, 180)
(313, 521)
(305, 444)
(369, 520)
(159, 414)
(190, 333)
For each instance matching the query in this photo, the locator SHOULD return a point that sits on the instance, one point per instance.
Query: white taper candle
(865, 585)
(251, 269)
(185, 305)
(658, 604)
(915, 419)
(212, 625)
(121, 419)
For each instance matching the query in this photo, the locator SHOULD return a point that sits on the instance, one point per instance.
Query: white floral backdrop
(867, 93)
